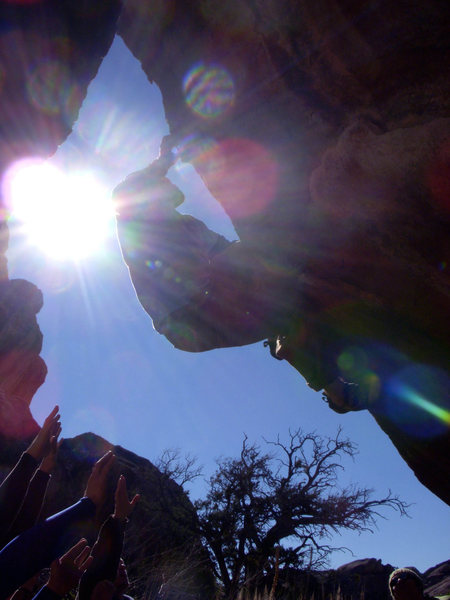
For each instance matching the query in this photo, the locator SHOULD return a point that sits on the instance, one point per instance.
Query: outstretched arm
(14, 487)
(108, 547)
(65, 572)
(37, 547)
(35, 496)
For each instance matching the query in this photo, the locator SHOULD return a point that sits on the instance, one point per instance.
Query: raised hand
(49, 462)
(123, 507)
(96, 486)
(50, 430)
(121, 582)
(65, 572)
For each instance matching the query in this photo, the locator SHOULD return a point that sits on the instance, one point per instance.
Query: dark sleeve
(31, 508)
(106, 552)
(12, 493)
(36, 548)
(46, 593)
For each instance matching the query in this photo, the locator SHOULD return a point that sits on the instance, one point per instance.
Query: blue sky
(112, 374)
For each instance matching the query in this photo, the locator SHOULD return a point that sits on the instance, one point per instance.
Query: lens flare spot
(353, 362)
(371, 385)
(193, 149)
(242, 175)
(58, 278)
(433, 409)
(50, 89)
(416, 400)
(346, 361)
(105, 426)
(208, 90)
(67, 216)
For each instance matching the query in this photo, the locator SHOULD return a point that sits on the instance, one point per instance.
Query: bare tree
(182, 469)
(256, 501)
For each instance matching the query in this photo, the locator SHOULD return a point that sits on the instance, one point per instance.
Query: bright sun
(66, 215)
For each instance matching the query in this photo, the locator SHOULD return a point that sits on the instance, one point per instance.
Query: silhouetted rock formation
(323, 129)
(50, 52)
(365, 578)
(22, 370)
(437, 579)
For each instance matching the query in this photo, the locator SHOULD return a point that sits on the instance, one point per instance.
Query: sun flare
(66, 215)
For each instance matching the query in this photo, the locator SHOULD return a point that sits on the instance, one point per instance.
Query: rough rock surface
(160, 542)
(22, 370)
(58, 47)
(437, 579)
(337, 113)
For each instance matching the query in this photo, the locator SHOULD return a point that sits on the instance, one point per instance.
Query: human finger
(82, 557)
(106, 465)
(135, 500)
(49, 429)
(104, 461)
(73, 552)
(56, 428)
(121, 488)
(53, 445)
(86, 564)
(52, 416)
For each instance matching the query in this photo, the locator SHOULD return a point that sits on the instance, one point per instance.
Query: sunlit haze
(65, 214)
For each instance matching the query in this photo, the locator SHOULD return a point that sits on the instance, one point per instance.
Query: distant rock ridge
(364, 578)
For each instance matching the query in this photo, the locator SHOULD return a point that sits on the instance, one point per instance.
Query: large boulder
(323, 130)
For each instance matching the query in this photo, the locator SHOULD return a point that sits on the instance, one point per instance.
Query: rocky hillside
(160, 544)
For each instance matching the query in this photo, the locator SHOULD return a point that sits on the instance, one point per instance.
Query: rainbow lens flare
(417, 400)
(208, 90)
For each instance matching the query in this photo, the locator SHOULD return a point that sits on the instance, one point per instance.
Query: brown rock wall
(350, 102)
